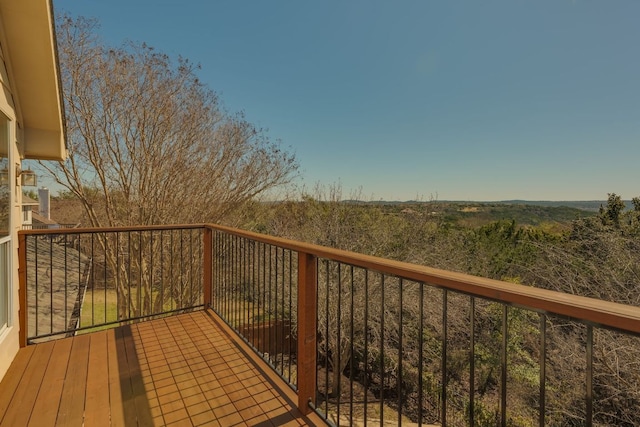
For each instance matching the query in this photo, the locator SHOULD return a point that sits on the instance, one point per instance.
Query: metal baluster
(36, 264)
(66, 281)
(51, 274)
(93, 284)
(117, 274)
(129, 272)
(366, 344)
(351, 352)
(291, 312)
(420, 354)
(151, 251)
(268, 328)
(589, 385)
(105, 275)
(191, 300)
(246, 271)
(503, 387)
(543, 368)
(472, 357)
(381, 349)
(181, 301)
(162, 269)
(234, 289)
(444, 358)
(275, 346)
(140, 278)
(399, 381)
(338, 345)
(255, 296)
(326, 340)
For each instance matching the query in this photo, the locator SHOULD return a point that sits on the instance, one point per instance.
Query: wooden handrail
(112, 229)
(604, 313)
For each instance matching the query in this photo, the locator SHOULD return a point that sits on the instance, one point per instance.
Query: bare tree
(150, 144)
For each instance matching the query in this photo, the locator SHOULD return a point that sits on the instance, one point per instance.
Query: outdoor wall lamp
(28, 178)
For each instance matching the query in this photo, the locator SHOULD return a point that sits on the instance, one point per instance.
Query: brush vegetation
(582, 252)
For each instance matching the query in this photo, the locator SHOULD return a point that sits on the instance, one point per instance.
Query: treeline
(590, 255)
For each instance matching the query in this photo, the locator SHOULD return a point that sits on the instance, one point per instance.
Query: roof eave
(29, 29)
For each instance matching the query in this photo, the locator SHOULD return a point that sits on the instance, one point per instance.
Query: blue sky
(459, 100)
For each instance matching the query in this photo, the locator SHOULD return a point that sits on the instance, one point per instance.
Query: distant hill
(585, 205)
(531, 213)
(551, 214)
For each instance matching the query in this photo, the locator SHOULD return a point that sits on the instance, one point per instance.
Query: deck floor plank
(97, 398)
(45, 410)
(21, 407)
(13, 377)
(115, 390)
(179, 370)
(72, 401)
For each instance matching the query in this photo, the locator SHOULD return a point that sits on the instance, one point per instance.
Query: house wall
(9, 337)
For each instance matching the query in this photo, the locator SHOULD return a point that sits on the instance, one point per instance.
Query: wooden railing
(427, 345)
(366, 339)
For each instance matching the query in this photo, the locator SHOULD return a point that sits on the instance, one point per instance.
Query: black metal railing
(362, 340)
(255, 292)
(399, 343)
(80, 280)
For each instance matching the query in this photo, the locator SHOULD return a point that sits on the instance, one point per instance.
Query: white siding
(9, 333)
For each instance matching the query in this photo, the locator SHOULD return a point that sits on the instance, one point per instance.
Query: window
(4, 283)
(5, 190)
(5, 210)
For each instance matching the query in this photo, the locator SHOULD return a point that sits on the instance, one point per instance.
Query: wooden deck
(183, 370)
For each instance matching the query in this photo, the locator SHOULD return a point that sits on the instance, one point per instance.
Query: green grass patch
(99, 307)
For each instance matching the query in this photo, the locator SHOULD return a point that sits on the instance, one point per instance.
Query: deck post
(207, 280)
(22, 289)
(307, 282)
